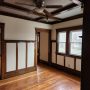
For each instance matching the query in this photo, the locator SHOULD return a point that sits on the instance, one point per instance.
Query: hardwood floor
(45, 78)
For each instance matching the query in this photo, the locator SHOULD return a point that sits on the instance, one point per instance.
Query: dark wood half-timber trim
(20, 16)
(64, 8)
(27, 53)
(19, 72)
(49, 47)
(60, 10)
(70, 28)
(16, 56)
(68, 19)
(53, 40)
(14, 41)
(74, 63)
(3, 51)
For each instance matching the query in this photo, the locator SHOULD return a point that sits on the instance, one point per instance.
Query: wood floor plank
(45, 78)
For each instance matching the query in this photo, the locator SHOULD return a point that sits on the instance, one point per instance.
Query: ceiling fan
(41, 8)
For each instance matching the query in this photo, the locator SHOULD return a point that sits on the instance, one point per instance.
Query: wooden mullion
(16, 56)
(26, 53)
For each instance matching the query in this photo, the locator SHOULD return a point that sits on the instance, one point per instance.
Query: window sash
(75, 48)
(62, 47)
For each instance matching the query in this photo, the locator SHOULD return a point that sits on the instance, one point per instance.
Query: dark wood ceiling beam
(68, 19)
(72, 5)
(19, 16)
(8, 5)
(15, 7)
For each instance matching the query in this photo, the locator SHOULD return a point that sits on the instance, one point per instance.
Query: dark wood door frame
(49, 41)
(3, 56)
(85, 76)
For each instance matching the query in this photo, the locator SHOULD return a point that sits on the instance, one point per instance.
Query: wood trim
(19, 72)
(27, 53)
(64, 8)
(20, 16)
(74, 63)
(60, 10)
(69, 28)
(16, 56)
(42, 30)
(49, 47)
(53, 40)
(14, 41)
(68, 19)
(3, 50)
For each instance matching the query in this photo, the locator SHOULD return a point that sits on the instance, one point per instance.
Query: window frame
(58, 42)
(67, 30)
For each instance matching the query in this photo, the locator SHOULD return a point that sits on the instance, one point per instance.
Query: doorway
(43, 38)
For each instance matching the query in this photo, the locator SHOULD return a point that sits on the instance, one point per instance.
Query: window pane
(62, 47)
(75, 49)
(74, 36)
(62, 37)
(75, 42)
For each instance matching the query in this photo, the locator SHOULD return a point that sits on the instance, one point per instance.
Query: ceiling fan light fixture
(40, 10)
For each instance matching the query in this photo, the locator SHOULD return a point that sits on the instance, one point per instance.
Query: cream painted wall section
(78, 64)
(53, 52)
(44, 46)
(60, 60)
(65, 24)
(19, 29)
(69, 62)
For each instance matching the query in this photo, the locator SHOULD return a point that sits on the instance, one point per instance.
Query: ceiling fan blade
(78, 2)
(54, 6)
(49, 15)
(18, 3)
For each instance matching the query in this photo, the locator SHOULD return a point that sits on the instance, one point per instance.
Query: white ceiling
(67, 13)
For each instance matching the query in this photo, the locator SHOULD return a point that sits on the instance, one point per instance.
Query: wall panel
(30, 58)
(60, 60)
(21, 55)
(69, 62)
(10, 57)
(78, 64)
(54, 52)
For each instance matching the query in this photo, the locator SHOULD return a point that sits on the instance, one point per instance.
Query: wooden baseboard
(19, 72)
(65, 69)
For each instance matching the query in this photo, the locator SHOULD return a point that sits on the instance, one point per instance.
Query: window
(62, 42)
(69, 41)
(75, 42)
